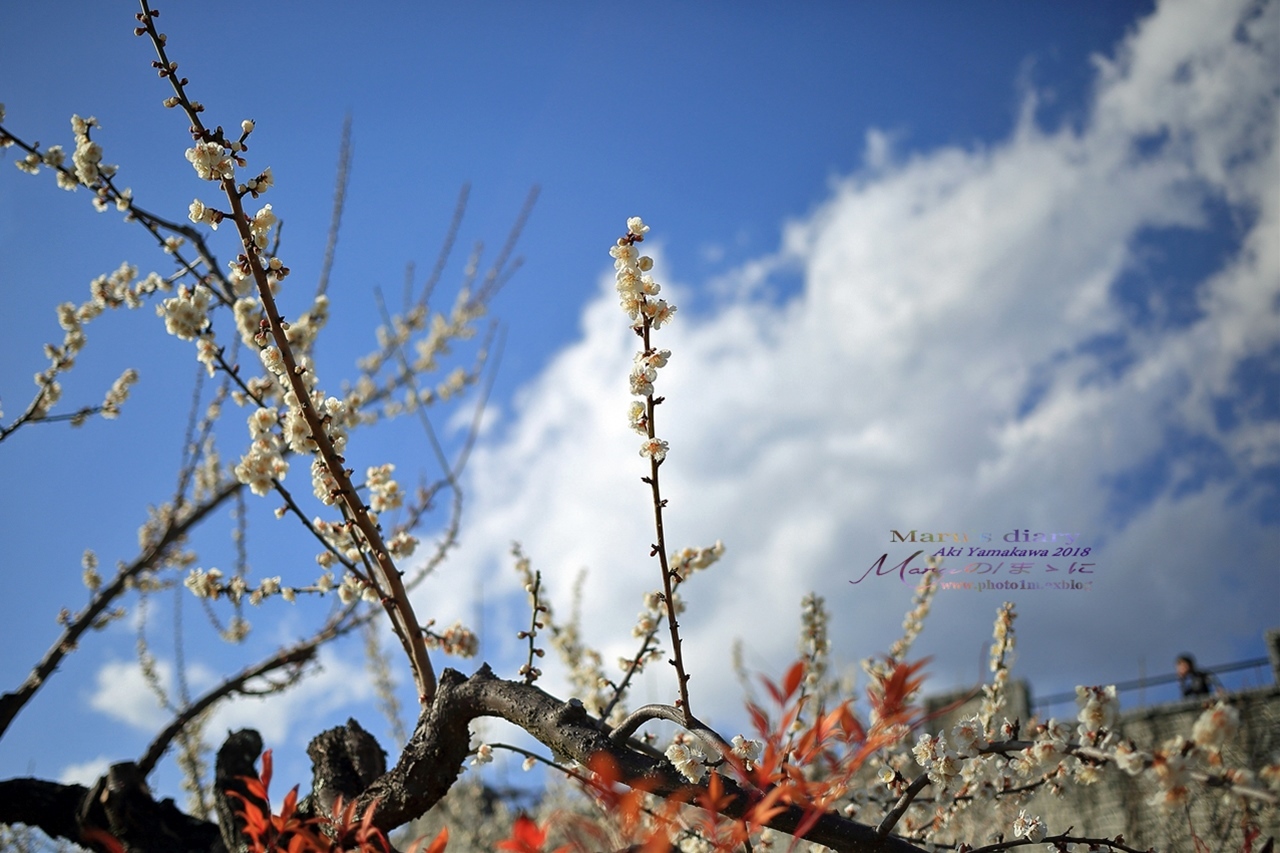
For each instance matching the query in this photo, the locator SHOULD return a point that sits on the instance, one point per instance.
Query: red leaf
(773, 690)
(265, 775)
(101, 839)
(759, 720)
(526, 837)
(792, 679)
(437, 845)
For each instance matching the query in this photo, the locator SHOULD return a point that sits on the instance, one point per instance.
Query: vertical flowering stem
(215, 158)
(638, 294)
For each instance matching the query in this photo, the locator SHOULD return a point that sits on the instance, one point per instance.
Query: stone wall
(1120, 804)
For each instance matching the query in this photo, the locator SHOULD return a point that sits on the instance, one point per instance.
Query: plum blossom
(118, 393)
(384, 492)
(261, 226)
(186, 315)
(638, 417)
(1099, 709)
(484, 754)
(198, 213)
(688, 761)
(87, 157)
(211, 161)
(655, 449)
(205, 584)
(968, 737)
(1029, 827)
(1215, 727)
(261, 465)
(207, 352)
(748, 750)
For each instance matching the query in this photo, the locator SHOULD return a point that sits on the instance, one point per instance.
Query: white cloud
(941, 370)
(123, 694)
(85, 772)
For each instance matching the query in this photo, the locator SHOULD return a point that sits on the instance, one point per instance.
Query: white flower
(118, 393)
(29, 164)
(1029, 827)
(484, 754)
(402, 545)
(968, 737)
(655, 449)
(261, 225)
(272, 360)
(1099, 709)
(262, 464)
(204, 584)
(748, 750)
(638, 417)
(1216, 726)
(54, 156)
(207, 353)
(210, 161)
(87, 156)
(658, 312)
(641, 383)
(688, 761)
(636, 226)
(350, 589)
(925, 750)
(624, 255)
(186, 315)
(1130, 760)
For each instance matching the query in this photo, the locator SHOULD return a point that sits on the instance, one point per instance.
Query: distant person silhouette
(1193, 682)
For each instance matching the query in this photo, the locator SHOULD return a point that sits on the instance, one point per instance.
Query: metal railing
(1041, 703)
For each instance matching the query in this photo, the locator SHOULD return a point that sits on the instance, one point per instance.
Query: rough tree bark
(347, 761)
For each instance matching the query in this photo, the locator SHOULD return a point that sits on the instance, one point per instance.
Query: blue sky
(939, 267)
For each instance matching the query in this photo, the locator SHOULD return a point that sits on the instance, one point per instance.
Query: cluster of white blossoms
(637, 292)
(457, 640)
(118, 393)
(186, 315)
(940, 761)
(686, 758)
(1215, 727)
(1001, 659)
(691, 763)
(747, 750)
(1099, 711)
(1029, 827)
(211, 160)
(913, 622)
(484, 754)
(198, 213)
(87, 158)
(689, 560)
(262, 465)
(814, 643)
(647, 624)
(209, 584)
(118, 289)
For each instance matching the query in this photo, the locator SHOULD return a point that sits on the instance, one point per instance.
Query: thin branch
(339, 200)
(900, 807)
(12, 703)
(236, 684)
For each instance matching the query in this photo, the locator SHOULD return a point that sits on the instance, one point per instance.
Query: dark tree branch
(152, 554)
(347, 759)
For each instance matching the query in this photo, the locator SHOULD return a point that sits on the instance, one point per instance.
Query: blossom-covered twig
(213, 157)
(637, 292)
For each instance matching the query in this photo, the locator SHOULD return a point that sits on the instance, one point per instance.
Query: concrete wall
(1119, 803)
